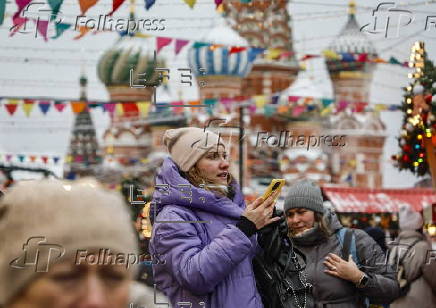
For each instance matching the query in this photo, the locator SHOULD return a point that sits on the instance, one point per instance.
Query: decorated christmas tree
(418, 135)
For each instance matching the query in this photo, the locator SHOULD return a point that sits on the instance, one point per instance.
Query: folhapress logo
(38, 253)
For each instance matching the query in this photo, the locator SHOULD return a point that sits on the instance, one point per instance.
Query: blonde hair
(198, 179)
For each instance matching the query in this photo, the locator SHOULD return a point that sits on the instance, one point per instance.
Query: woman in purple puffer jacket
(203, 234)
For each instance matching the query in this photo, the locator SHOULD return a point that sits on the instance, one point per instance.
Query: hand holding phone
(274, 186)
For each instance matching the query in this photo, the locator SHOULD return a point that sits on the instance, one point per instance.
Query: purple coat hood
(205, 260)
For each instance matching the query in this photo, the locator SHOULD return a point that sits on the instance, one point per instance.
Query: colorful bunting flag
(260, 101)
(56, 159)
(85, 5)
(83, 31)
(218, 3)
(44, 106)
(32, 158)
(179, 45)
(78, 107)
(28, 106)
(60, 29)
(44, 159)
(59, 106)
(115, 5)
(109, 107)
(149, 4)
(191, 3)
(254, 52)
(161, 42)
(2, 11)
(119, 110)
(55, 6)
(297, 110)
(273, 53)
(130, 109)
(341, 106)
(8, 157)
(21, 158)
(236, 49)
(11, 106)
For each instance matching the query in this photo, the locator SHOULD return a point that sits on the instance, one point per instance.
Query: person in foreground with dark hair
(346, 267)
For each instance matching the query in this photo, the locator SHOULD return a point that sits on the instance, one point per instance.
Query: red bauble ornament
(406, 158)
(407, 148)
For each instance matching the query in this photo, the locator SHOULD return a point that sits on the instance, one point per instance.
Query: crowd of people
(73, 245)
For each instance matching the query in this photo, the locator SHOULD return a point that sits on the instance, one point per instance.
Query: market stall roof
(365, 200)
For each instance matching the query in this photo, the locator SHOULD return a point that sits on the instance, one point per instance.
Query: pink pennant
(161, 42)
(8, 157)
(42, 26)
(18, 22)
(180, 44)
(297, 110)
(59, 106)
(342, 106)
(21, 5)
(109, 107)
(293, 99)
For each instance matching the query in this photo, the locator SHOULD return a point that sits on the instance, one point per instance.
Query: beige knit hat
(188, 144)
(48, 221)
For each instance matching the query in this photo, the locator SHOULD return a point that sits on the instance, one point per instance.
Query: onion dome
(128, 53)
(217, 60)
(351, 39)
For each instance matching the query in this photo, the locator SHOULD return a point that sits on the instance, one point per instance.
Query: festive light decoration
(419, 115)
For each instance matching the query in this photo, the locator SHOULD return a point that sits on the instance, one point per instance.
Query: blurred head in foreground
(65, 245)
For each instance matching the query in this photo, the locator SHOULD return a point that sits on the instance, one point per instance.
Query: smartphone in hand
(276, 184)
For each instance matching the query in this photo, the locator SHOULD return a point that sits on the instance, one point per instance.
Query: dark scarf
(311, 237)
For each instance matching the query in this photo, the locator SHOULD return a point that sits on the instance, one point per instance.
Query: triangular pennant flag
(177, 110)
(161, 42)
(109, 107)
(218, 3)
(44, 159)
(83, 31)
(393, 60)
(130, 109)
(42, 26)
(28, 106)
(149, 4)
(273, 53)
(326, 101)
(21, 5)
(179, 45)
(11, 106)
(293, 99)
(326, 110)
(86, 4)
(260, 100)
(32, 158)
(275, 99)
(119, 109)
(297, 110)
(144, 107)
(200, 44)
(8, 157)
(55, 5)
(60, 28)
(21, 158)
(2, 11)
(236, 49)
(17, 22)
(191, 3)
(115, 5)
(59, 106)
(254, 52)
(363, 57)
(283, 109)
(341, 106)
(269, 110)
(78, 107)
(56, 159)
(307, 57)
(44, 106)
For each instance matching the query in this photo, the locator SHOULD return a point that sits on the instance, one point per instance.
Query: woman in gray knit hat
(65, 245)
(337, 280)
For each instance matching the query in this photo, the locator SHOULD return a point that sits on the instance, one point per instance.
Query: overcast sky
(31, 67)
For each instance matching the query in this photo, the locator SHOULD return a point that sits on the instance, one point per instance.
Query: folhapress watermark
(39, 254)
(286, 139)
(104, 256)
(105, 22)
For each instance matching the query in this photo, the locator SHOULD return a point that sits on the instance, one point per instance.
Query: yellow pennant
(27, 108)
(119, 109)
(191, 3)
(260, 100)
(273, 53)
(326, 111)
(143, 108)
